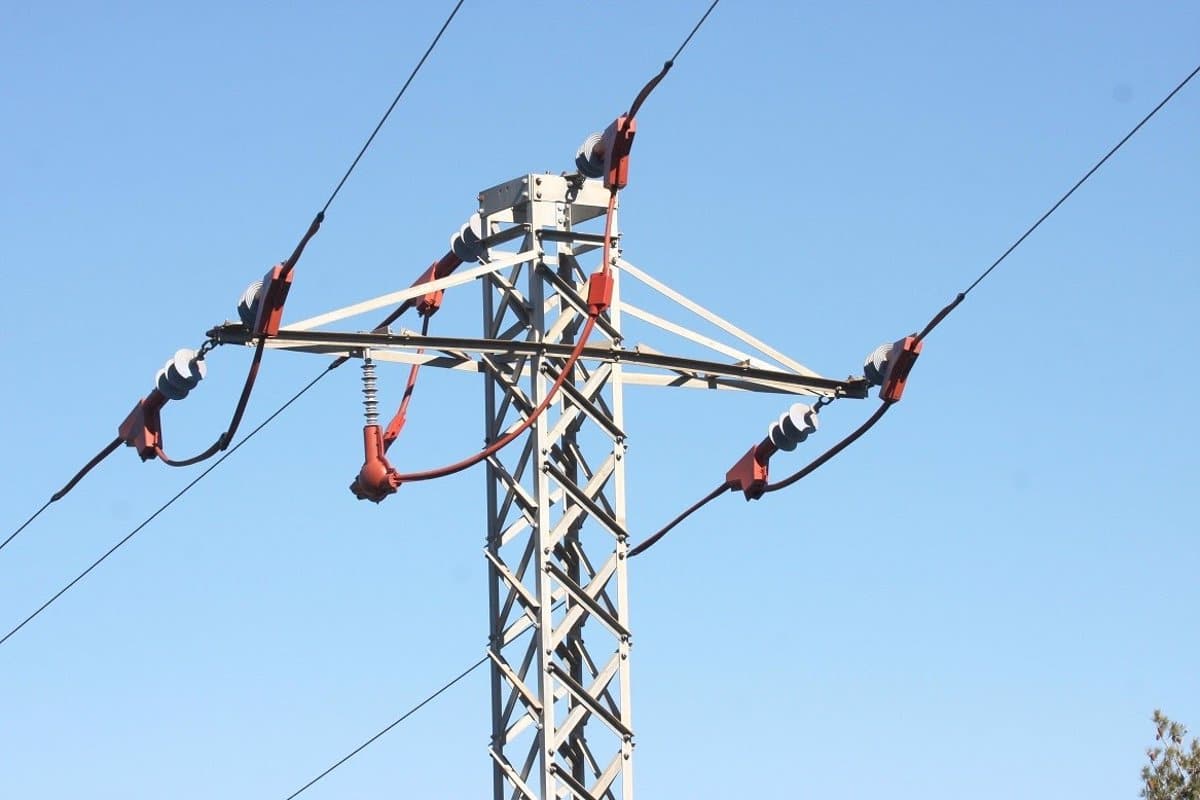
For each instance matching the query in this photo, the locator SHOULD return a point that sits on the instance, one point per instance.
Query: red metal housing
(377, 478)
(276, 284)
(616, 144)
(749, 475)
(900, 362)
(599, 295)
(142, 429)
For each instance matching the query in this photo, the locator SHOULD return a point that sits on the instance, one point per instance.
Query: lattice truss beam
(556, 516)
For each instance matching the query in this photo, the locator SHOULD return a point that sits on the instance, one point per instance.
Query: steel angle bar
(527, 659)
(517, 728)
(578, 692)
(579, 791)
(580, 496)
(598, 688)
(512, 300)
(518, 526)
(582, 597)
(603, 677)
(333, 343)
(690, 335)
(580, 403)
(512, 594)
(395, 298)
(527, 695)
(512, 484)
(712, 382)
(709, 316)
(509, 376)
(521, 590)
(512, 775)
(554, 235)
(605, 779)
(516, 628)
(596, 483)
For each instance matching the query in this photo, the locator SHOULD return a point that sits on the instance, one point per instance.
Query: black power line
(941, 315)
(390, 108)
(96, 459)
(166, 505)
(26, 523)
(391, 725)
(820, 460)
(694, 29)
(223, 440)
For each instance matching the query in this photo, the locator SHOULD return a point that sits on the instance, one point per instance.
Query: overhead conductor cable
(272, 302)
(902, 353)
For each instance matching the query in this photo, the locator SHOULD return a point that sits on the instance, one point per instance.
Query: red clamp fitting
(616, 142)
(600, 291)
(377, 478)
(430, 302)
(276, 285)
(142, 429)
(749, 475)
(899, 363)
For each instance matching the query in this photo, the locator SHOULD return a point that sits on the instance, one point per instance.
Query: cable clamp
(617, 141)
(275, 287)
(749, 475)
(378, 478)
(142, 429)
(891, 369)
(430, 302)
(600, 292)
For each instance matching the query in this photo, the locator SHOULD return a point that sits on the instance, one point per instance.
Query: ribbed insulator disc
(586, 160)
(248, 304)
(876, 364)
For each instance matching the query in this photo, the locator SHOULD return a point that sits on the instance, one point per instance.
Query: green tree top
(1174, 769)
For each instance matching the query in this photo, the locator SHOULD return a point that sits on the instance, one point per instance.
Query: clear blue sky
(987, 596)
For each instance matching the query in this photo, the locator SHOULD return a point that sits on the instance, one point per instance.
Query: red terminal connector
(276, 285)
(142, 429)
(430, 302)
(900, 362)
(377, 478)
(616, 143)
(749, 475)
(600, 291)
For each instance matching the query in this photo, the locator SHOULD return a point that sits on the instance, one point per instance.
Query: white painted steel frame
(556, 539)
(557, 544)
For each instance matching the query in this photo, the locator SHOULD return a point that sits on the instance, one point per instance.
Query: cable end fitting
(430, 302)
(889, 365)
(615, 143)
(749, 475)
(378, 478)
(142, 429)
(600, 292)
(275, 287)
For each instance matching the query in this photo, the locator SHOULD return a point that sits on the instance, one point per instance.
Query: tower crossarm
(465, 353)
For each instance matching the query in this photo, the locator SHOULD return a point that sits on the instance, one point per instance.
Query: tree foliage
(1174, 769)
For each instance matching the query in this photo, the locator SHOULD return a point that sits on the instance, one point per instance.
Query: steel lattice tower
(557, 544)
(556, 531)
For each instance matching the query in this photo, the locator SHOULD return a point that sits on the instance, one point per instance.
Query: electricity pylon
(557, 542)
